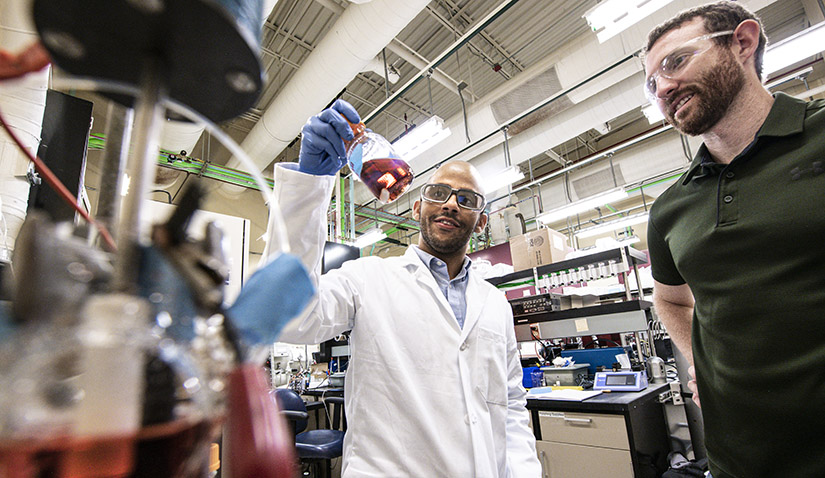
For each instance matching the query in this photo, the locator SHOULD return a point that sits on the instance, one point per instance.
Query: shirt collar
(433, 263)
(786, 117)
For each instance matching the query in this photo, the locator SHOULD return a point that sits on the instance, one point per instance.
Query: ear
(746, 40)
(417, 210)
(481, 223)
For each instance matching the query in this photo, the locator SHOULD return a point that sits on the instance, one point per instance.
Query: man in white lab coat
(433, 387)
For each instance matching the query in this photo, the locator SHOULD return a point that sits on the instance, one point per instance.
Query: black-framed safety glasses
(441, 193)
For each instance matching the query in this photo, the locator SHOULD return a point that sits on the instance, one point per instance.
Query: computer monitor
(335, 254)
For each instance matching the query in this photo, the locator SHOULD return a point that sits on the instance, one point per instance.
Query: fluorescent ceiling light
(795, 48)
(502, 178)
(369, 238)
(582, 205)
(653, 113)
(613, 225)
(611, 17)
(421, 138)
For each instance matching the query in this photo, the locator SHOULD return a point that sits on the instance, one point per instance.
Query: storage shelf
(635, 256)
(591, 311)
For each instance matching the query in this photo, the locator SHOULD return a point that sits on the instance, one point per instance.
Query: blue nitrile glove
(322, 147)
(274, 295)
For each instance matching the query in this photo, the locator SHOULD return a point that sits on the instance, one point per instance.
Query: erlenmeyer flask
(377, 165)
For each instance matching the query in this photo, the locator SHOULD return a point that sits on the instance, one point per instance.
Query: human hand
(693, 387)
(33, 58)
(322, 145)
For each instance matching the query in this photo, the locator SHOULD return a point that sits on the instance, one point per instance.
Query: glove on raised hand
(322, 146)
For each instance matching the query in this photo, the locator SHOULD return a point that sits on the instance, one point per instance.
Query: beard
(455, 242)
(713, 93)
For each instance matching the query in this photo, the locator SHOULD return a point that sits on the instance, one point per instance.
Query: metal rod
(141, 169)
(478, 27)
(430, 90)
(118, 133)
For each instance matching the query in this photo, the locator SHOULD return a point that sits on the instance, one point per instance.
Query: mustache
(453, 216)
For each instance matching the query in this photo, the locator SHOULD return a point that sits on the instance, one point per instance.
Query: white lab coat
(423, 397)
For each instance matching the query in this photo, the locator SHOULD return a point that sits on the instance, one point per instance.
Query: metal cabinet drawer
(593, 429)
(562, 460)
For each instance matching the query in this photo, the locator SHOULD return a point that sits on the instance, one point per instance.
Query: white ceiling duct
(357, 37)
(376, 65)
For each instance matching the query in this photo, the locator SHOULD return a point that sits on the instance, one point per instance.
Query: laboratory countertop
(616, 402)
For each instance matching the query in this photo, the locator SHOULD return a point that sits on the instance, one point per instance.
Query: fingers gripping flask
(374, 161)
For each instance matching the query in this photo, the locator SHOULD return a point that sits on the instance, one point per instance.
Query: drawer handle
(581, 421)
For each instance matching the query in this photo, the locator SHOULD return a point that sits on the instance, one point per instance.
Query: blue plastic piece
(527, 378)
(595, 357)
(274, 295)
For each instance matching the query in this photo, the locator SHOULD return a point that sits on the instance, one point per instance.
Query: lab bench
(612, 435)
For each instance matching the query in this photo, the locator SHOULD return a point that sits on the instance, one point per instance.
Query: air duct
(357, 37)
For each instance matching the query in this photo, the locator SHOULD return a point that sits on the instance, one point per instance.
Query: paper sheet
(564, 394)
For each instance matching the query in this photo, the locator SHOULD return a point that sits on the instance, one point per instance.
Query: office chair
(315, 447)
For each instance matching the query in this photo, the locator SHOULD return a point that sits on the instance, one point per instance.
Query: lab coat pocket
(490, 367)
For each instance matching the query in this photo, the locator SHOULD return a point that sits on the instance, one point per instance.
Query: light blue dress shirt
(455, 291)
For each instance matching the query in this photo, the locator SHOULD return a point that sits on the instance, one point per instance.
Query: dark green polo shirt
(749, 239)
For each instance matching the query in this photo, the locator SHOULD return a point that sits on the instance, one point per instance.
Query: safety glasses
(674, 64)
(441, 193)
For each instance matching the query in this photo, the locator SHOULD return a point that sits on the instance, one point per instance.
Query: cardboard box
(537, 248)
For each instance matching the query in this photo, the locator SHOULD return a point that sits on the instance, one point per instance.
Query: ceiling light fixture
(369, 238)
(612, 225)
(421, 138)
(582, 205)
(502, 178)
(611, 17)
(795, 48)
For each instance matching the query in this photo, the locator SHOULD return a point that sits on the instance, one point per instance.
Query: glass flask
(374, 161)
(106, 397)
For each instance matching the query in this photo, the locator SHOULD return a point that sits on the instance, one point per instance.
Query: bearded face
(447, 231)
(708, 98)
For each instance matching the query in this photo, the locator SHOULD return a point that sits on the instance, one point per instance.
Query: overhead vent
(597, 182)
(532, 92)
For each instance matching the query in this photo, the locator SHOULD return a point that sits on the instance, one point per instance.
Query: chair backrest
(289, 400)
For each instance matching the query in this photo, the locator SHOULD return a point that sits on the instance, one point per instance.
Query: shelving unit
(630, 315)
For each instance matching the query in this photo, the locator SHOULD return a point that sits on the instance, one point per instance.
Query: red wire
(58, 186)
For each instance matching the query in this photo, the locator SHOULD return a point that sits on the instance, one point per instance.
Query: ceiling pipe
(405, 53)
(358, 36)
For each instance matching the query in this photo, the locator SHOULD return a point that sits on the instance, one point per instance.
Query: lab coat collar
(476, 292)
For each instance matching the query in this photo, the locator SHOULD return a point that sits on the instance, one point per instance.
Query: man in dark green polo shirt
(737, 245)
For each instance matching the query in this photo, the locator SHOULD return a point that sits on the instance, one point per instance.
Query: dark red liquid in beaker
(177, 449)
(387, 178)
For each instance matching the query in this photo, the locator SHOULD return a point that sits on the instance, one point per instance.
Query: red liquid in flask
(166, 450)
(387, 178)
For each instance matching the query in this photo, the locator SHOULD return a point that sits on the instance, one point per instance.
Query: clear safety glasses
(441, 193)
(675, 63)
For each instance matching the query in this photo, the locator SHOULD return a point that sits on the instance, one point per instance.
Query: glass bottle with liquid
(374, 161)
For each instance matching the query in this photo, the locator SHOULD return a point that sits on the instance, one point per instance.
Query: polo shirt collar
(786, 117)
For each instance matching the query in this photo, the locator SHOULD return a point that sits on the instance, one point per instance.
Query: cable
(58, 186)
(165, 192)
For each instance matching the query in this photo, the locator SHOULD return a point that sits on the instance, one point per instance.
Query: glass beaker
(373, 160)
(537, 377)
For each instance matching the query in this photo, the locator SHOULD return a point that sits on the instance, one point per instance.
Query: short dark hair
(717, 17)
